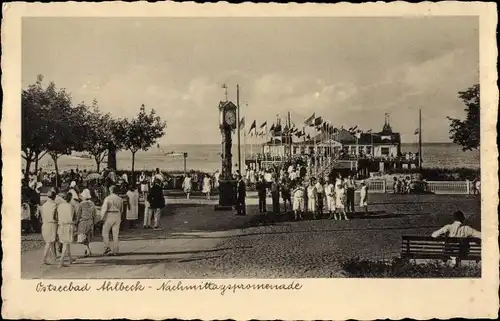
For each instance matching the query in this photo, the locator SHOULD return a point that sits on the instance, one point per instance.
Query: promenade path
(198, 242)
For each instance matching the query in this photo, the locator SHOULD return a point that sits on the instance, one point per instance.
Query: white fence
(436, 187)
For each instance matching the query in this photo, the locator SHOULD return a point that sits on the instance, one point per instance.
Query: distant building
(385, 144)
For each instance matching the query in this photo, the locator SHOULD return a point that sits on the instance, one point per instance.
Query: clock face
(230, 117)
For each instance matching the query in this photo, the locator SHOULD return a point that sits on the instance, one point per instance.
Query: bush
(398, 268)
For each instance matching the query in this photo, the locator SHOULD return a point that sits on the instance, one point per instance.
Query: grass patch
(398, 268)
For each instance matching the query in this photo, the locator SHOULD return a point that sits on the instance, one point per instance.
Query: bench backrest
(428, 247)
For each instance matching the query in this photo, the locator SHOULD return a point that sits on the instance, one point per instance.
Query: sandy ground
(198, 242)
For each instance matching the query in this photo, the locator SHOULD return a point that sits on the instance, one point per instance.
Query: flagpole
(420, 139)
(238, 117)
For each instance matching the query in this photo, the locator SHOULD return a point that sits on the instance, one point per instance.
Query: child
(298, 200)
(340, 202)
(363, 201)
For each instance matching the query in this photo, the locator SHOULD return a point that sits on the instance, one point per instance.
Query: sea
(208, 157)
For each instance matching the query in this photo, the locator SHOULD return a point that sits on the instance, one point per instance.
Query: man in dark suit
(261, 191)
(241, 193)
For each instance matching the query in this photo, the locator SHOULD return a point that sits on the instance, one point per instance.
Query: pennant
(308, 136)
(309, 121)
(417, 131)
(272, 128)
(254, 125)
(264, 124)
(242, 122)
(318, 121)
(369, 131)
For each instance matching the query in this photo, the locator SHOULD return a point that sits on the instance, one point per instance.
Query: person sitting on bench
(457, 228)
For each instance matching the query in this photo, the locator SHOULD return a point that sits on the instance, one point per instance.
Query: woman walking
(133, 205)
(66, 229)
(207, 186)
(187, 185)
(48, 215)
(85, 218)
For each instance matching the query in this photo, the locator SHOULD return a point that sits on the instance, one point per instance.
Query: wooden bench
(443, 248)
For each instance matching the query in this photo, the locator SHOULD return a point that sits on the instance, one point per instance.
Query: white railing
(436, 187)
(449, 187)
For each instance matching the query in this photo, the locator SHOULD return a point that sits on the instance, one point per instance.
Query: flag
(309, 121)
(318, 121)
(285, 129)
(417, 131)
(242, 122)
(369, 131)
(272, 128)
(354, 128)
(277, 129)
(264, 124)
(254, 125)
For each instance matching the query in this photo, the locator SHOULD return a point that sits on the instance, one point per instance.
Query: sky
(350, 71)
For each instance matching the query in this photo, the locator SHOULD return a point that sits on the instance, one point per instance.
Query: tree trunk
(98, 162)
(36, 163)
(54, 158)
(27, 169)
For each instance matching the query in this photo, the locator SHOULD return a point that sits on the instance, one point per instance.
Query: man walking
(350, 188)
(156, 203)
(241, 193)
(111, 214)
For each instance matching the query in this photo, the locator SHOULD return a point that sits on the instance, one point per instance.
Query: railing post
(384, 186)
(468, 186)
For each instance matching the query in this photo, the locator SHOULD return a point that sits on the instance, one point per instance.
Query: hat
(86, 194)
(72, 184)
(363, 182)
(74, 195)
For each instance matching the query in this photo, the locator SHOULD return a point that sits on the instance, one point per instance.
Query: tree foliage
(100, 130)
(141, 132)
(52, 125)
(466, 133)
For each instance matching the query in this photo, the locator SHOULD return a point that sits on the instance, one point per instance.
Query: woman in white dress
(330, 197)
(187, 185)
(66, 215)
(363, 199)
(340, 199)
(207, 186)
(298, 200)
(133, 206)
(311, 196)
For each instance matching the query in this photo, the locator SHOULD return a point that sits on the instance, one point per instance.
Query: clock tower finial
(224, 86)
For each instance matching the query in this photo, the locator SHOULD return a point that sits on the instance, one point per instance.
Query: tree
(34, 125)
(141, 132)
(100, 132)
(467, 132)
(65, 124)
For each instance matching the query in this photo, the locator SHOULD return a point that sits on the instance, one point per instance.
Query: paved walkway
(189, 231)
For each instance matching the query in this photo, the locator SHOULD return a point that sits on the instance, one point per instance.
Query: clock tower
(227, 124)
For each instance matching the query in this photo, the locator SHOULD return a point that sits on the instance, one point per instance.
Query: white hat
(72, 184)
(86, 194)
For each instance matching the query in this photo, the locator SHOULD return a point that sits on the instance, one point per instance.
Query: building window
(384, 151)
(368, 150)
